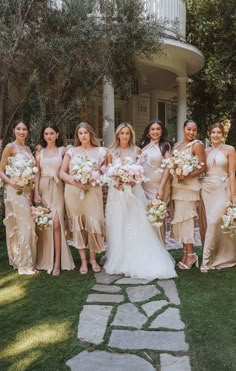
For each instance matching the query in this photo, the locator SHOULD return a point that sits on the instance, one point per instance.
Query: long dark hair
(165, 144)
(59, 140)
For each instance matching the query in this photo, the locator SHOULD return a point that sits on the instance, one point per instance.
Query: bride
(133, 247)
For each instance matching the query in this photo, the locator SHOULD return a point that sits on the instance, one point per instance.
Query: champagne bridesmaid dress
(185, 196)
(20, 227)
(52, 195)
(219, 249)
(85, 215)
(151, 171)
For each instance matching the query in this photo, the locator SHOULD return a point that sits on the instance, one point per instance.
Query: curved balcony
(172, 13)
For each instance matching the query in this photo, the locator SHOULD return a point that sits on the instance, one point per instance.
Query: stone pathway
(137, 325)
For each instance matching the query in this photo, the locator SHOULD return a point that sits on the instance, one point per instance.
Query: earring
(148, 136)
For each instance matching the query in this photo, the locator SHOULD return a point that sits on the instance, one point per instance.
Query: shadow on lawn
(39, 317)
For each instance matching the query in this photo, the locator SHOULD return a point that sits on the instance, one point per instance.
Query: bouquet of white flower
(156, 211)
(42, 216)
(22, 172)
(181, 163)
(229, 221)
(85, 171)
(125, 172)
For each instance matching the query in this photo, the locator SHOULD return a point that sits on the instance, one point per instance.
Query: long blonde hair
(116, 142)
(93, 139)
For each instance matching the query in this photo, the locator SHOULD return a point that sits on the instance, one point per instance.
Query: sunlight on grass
(12, 293)
(6, 279)
(25, 362)
(37, 337)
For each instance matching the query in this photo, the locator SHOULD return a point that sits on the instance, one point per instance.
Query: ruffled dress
(52, 194)
(86, 215)
(20, 227)
(185, 196)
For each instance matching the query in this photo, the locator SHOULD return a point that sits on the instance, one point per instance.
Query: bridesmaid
(185, 195)
(53, 254)
(218, 192)
(156, 147)
(86, 217)
(20, 227)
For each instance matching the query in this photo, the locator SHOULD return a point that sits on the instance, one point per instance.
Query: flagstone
(132, 281)
(106, 288)
(105, 361)
(171, 363)
(153, 340)
(93, 323)
(104, 278)
(170, 290)
(105, 298)
(170, 319)
(128, 315)
(142, 293)
(153, 306)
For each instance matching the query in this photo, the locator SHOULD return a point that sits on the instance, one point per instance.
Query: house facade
(160, 92)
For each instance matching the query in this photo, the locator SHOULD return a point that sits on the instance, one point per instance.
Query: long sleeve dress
(219, 250)
(20, 227)
(52, 195)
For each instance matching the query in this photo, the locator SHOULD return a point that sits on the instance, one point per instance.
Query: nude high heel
(195, 261)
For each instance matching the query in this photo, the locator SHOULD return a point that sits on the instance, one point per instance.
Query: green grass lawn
(208, 307)
(39, 317)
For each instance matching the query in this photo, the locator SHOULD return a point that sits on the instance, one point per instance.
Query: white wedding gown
(133, 247)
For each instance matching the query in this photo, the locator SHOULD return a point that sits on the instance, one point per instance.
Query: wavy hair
(165, 144)
(93, 139)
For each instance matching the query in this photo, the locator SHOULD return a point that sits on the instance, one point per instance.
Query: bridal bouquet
(181, 163)
(22, 172)
(229, 221)
(156, 211)
(85, 171)
(125, 172)
(42, 216)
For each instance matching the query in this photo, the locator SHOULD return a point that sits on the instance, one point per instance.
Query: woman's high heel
(195, 261)
(180, 263)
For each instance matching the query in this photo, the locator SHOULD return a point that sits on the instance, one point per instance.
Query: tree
(54, 57)
(211, 26)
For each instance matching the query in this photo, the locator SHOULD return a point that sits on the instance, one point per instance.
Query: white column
(182, 106)
(108, 106)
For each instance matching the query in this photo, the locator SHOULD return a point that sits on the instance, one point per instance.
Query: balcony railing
(172, 13)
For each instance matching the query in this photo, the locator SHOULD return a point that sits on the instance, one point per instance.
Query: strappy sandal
(95, 267)
(56, 272)
(83, 270)
(180, 264)
(195, 261)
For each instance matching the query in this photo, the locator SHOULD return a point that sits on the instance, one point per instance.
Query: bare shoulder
(229, 149)
(10, 148)
(198, 144)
